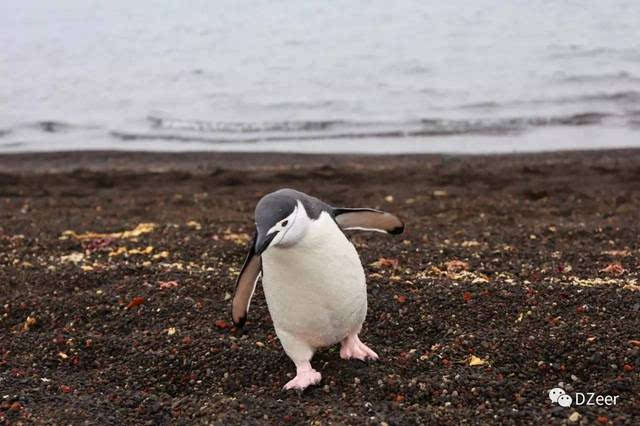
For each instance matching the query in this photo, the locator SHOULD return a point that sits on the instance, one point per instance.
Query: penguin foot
(352, 347)
(303, 379)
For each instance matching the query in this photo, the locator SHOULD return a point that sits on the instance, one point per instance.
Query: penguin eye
(284, 222)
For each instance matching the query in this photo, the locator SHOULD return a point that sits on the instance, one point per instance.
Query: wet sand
(515, 274)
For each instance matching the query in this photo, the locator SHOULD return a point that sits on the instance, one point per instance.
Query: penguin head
(281, 220)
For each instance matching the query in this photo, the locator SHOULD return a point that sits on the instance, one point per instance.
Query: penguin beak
(263, 242)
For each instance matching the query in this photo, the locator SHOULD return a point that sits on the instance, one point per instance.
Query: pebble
(574, 417)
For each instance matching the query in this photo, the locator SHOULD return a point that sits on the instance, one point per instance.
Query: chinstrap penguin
(312, 276)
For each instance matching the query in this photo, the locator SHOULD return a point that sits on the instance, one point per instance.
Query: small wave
(306, 131)
(239, 127)
(634, 119)
(627, 96)
(306, 105)
(4, 132)
(620, 97)
(480, 105)
(11, 144)
(577, 52)
(587, 118)
(622, 76)
(51, 126)
(510, 125)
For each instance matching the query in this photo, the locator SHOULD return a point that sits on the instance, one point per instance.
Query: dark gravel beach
(515, 274)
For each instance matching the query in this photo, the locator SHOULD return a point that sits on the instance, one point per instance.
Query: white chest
(316, 288)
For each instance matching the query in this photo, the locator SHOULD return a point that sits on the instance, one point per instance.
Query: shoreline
(205, 162)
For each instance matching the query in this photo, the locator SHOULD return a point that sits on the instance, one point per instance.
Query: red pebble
(135, 302)
(222, 324)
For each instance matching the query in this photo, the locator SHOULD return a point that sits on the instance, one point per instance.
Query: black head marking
(277, 206)
(271, 209)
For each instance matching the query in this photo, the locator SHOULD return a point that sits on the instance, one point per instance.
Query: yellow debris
(161, 255)
(195, 225)
(74, 257)
(471, 243)
(29, 322)
(143, 228)
(475, 361)
(119, 251)
(146, 250)
(240, 239)
(123, 250)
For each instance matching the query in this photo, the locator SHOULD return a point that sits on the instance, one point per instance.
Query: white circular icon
(564, 400)
(556, 393)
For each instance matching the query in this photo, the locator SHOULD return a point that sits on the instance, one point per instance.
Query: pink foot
(303, 379)
(352, 347)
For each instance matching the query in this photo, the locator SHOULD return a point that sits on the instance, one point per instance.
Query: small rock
(574, 417)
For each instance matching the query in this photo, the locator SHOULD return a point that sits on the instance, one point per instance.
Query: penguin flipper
(246, 285)
(368, 220)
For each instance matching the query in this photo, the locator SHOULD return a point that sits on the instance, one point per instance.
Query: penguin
(312, 276)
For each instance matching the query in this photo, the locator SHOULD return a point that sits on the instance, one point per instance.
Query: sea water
(319, 75)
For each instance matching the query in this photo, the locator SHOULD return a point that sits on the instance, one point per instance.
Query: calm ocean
(319, 75)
